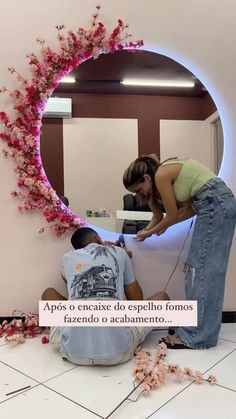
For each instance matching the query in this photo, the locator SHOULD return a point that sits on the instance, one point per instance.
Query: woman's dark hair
(80, 237)
(138, 168)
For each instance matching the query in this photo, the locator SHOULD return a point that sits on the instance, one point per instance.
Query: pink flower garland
(152, 374)
(22, 134)
(18, 330)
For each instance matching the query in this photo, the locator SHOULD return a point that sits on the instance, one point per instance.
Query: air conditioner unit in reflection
(58, 107)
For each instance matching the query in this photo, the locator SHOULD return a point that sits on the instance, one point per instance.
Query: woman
(186, 188)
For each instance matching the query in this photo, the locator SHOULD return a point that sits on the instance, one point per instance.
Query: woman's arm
(164, 179)
(180, 215)
(184, 213)
(156, 218)
(157, 214)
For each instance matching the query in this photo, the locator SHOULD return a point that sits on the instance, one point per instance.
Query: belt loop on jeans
(210, 184)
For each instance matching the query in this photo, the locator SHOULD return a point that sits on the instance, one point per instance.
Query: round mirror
(85, 151)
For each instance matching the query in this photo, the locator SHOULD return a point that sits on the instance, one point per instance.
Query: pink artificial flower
(189, 372)
(199, 377)
(18, 323)
(17, 339)
(212, 379)
(30, 102)
(147, 388)
(121, 23)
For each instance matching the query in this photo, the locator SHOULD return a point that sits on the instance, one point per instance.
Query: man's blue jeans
(215, 206)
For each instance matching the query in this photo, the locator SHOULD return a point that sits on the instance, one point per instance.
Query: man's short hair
(81, 237)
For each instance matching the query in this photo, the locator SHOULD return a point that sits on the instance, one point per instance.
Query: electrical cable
(182, 248)
(121, 241)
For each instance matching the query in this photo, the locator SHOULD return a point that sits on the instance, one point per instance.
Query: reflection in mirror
(85, 156)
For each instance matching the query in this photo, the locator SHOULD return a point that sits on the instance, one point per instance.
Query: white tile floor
(60, 390)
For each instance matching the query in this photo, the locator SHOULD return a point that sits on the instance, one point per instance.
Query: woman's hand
(162, 231)
(142, 235)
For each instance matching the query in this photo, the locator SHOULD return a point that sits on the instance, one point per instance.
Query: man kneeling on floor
(94, 270)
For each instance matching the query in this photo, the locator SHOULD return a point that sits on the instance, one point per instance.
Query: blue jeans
(215, 206)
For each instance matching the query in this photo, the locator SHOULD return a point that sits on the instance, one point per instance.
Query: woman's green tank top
(192, 177)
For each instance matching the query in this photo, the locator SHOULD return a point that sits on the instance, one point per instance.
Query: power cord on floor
(182, 248)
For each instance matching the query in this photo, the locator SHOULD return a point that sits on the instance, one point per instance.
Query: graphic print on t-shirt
(99, 280)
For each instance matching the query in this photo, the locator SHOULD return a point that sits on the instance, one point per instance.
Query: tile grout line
(49, 388)
(177, 394)
(227, 340)
(54, 391)
(219, 385)
(224, 357)
(17, 395)
(42, 384)
(58, 375)
(38, 383)
(226, 388)
(168, 401)
(73, 401)
(15, 369)
(22, 373)
(183, 388)
(28, 376)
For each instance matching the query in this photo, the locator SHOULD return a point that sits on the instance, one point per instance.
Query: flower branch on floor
(154, 372)
(18, 330)
(22, 132)
(151, 374)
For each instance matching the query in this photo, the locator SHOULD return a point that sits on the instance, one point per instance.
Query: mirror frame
(22, 132)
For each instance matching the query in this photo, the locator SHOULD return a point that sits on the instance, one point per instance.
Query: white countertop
(134, 215)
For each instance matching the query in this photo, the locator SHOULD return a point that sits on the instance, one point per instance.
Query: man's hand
(129, 253)
(117, 243)
(109, 243)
